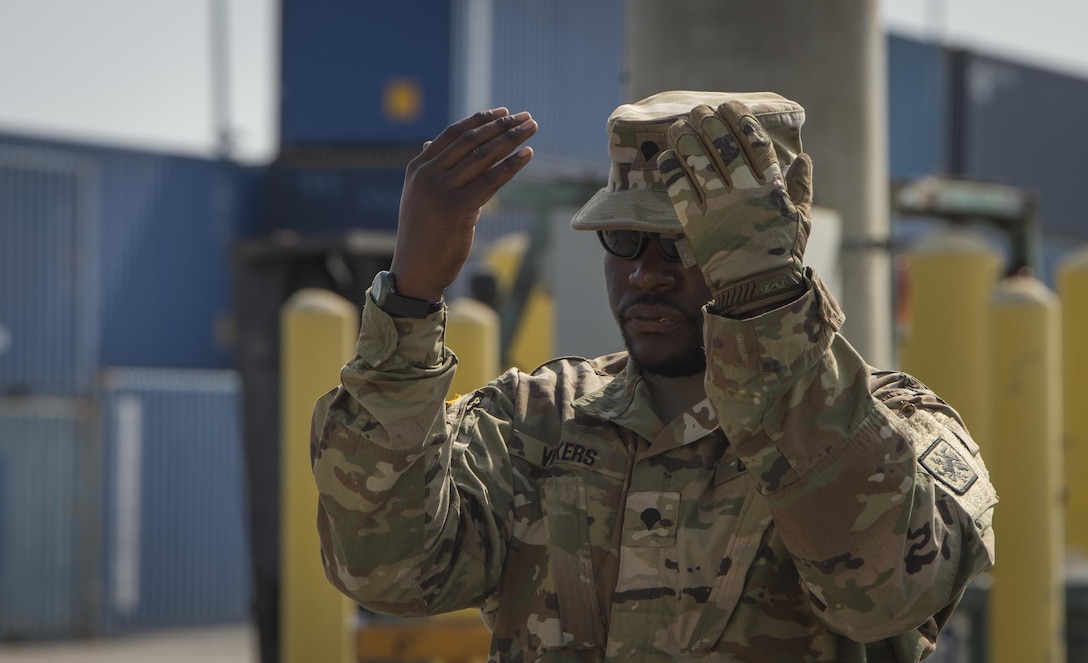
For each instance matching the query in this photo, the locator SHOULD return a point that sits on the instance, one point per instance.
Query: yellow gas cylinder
(952, 273)
(533, 342)
(1027, 606)
(318, 332)
(1073, 290)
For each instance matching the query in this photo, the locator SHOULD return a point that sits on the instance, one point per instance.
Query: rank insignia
(946, 463)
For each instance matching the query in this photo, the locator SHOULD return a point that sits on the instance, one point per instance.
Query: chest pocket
(570, 562)
(579, 489)
(753, 521)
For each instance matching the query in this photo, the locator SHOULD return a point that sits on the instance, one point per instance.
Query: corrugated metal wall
(48, 330)
(314, 198)
(167, 225)
(569, 72)
(1022, 126)
(115, 257)
(336, 170)
(918, 105)
(127, 512)
(175, 545)
(363, 73)
(563, 60)
(44, 507)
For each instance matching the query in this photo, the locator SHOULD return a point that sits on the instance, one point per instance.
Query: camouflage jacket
(809, 505)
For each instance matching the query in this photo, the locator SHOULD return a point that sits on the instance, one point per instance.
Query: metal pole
(828, 56)
(219, 15)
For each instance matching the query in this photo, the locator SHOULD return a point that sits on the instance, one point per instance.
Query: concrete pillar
(828, 56)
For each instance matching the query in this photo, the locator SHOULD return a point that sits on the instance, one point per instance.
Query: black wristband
(765, 291)
(383, 292)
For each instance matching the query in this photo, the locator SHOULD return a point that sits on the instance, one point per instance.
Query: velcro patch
(945, 462)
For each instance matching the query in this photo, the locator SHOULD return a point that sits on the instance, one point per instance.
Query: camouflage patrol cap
(635, 197)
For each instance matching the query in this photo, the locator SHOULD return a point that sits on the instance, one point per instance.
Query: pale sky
(137, 72)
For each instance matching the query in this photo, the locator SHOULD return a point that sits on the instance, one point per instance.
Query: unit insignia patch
(945, 462)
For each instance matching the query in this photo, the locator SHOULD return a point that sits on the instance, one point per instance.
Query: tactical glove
(746, 224)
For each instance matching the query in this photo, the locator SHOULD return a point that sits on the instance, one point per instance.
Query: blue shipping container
(112, 257)
(1006, 104)
(317, 199)
(46, 473)
(48, 328)
(569, 72)
(918, 108)
(175, 551)
(372, 73)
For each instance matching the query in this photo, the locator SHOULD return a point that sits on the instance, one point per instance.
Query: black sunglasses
(629, 244)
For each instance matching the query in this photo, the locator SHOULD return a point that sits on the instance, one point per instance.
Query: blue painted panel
(42, 511)
(175, 550)
(918, 121)
(115, 257)
(325, 199)
(48, 336)
(339, 56)
(166, 228)
(1054, 250)
(569, 72)
(1023, 128)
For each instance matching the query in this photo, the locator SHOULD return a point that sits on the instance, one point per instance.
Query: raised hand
(444, 188)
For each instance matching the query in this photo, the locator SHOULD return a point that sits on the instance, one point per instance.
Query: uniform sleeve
(411, 517)
(875, 486)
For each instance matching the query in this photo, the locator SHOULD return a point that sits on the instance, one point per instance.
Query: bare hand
(444, 189)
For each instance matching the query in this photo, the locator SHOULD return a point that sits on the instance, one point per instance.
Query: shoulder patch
(945, 462)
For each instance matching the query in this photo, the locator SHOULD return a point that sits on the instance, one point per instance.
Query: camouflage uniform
(810, 504)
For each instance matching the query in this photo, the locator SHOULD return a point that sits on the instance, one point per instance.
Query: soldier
(739, 485)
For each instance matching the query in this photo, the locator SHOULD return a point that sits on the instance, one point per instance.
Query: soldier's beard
(677, 365)
(689, 359)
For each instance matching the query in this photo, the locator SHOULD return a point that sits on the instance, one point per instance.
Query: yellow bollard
(472, 333)
(318, 332)
(534, 342)
(952, 274)
(1073, 289)
(1027, 600)
(534, 339)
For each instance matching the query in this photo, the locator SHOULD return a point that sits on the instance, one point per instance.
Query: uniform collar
(625, 401)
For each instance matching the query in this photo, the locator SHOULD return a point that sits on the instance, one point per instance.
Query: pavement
(228, 644)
